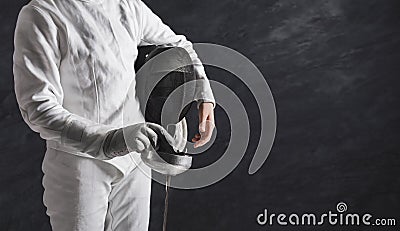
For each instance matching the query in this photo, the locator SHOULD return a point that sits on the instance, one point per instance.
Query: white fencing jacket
(74, 69)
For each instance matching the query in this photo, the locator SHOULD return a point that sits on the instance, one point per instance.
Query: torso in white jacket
(74, 69)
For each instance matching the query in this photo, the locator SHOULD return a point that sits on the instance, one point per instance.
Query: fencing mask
(167, 70)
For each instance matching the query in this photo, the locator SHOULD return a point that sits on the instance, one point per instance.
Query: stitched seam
(141, 22)
(115, 37)
(96, 90)
(111, 215)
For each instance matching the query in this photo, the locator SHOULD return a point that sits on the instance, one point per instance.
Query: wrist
(205, 101)
(111, 148)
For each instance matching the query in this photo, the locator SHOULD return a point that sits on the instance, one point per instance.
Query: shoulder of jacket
(43, 6)
(46, 9)
(136, 3)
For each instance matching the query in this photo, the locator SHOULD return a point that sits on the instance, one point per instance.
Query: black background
(333, 68)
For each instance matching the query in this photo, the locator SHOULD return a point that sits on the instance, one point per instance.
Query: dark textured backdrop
(333, 67)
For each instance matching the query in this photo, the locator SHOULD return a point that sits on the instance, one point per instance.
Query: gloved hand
(138, 138)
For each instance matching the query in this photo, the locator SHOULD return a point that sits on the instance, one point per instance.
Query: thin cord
(167, 183)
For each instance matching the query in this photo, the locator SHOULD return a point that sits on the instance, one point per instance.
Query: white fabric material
(74, 70)
(85, 194)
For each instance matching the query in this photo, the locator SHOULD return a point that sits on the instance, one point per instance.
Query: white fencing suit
(74, 82)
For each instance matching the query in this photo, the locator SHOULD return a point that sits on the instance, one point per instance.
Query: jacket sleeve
(154, 31)
(38, 87)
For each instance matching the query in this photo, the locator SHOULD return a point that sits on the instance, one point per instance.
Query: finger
(199, 143)
(138, 145)
(161, 131)
(209, 129)
(195, 139)
(203, 140)
(205, 136)
(142, 143)
(154, 126)
(152, 135)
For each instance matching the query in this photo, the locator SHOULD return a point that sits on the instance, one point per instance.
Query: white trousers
(84, 194)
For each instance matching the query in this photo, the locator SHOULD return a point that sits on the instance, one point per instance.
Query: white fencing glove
(138, 138)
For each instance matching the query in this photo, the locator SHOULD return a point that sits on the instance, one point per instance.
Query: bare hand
(206, 124)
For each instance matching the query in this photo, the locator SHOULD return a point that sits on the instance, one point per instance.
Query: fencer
(74, 83)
